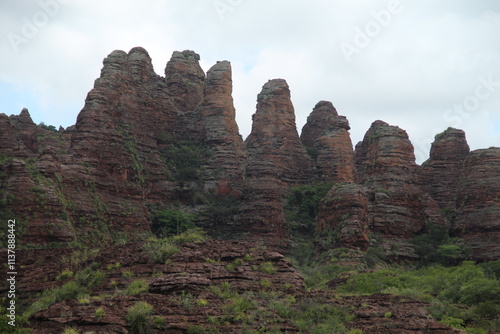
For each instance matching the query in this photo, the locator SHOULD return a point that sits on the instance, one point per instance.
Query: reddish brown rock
(478, 204)
(439, 175)
(220, 132)
(27, 131)
(10, 145)
(385, 156)
(389, 203)
(326, 137)
(184, 78)
(276, 160)
(345, 209)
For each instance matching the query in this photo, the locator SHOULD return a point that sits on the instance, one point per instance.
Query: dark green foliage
(91, 276)
(185, 159)
(318, 317)
(304, 200)
(464, 295)
(47, 127)
(492, 268)
(313, 152)
(161, 249)
(221, 210)
(139, 318)
(171, 221)
(301, 211)
(436, 246)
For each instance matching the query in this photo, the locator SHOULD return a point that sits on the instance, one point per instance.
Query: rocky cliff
(145, 142)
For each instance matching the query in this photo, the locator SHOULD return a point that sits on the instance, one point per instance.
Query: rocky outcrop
(144, 142)
(345, 210)
(478, 204)
(205, 285)
(387, 202)
(327, 140)
(465, 185)
(276, 160)
(438, 176)
(220, 131)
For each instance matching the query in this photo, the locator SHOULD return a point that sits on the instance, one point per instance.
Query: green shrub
(127, 274)
(160, 250)
(112, 266)
(66, 273)
(159, 321)
(313, 316)
(195, 235)
(68, 291)
(47, 127)
(137, 287)
(139, 318)
(90, 277)
(267, 268)
(99, 313)
(171, 221)
(70, 330)
(184, 159)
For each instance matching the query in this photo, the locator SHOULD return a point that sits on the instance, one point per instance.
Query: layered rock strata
(326, 138)
(276, 160)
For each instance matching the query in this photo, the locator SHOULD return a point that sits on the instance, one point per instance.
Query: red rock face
(387, 203)
(276, 159)
(438, 176)
(221, 133)
(478, 204)
(96, 178)
(326, 137)
(345, 209)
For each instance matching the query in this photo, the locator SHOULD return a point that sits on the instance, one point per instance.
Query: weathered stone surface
(326, 137)
(385, 156)
(345, 209)
(388, 202)
(102, 175)
(221, 133)
(276, 160)
(189, 290)
(439, 175)
(478, 204)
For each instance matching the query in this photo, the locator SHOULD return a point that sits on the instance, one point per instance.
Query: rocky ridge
(144, 142)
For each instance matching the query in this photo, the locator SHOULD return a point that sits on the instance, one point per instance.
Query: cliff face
(276, 160)
(387, 202)
(438, 176)
(144, 141)
(477, 221)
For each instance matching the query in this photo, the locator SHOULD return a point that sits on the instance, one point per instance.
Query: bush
(90, 277)
(159, 250)
(99, 313)
(267, 268)
(195, 235)
(184, 159)
(137, 287)
(171, 221)
(139, 318)
(70, 330)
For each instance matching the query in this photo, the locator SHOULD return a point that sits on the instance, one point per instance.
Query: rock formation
(326, 137)
(276, 160)
(477, 221)
(387, 202)
(439, 174)
(220, 131)
(144, 141)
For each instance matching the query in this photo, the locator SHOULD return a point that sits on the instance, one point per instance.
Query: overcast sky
(419, 64)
